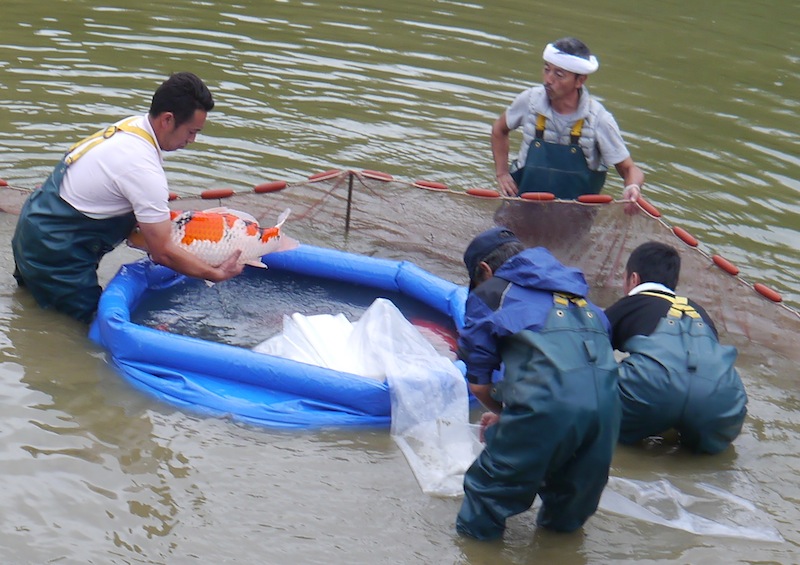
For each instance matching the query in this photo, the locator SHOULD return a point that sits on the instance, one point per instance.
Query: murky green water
(707, 95)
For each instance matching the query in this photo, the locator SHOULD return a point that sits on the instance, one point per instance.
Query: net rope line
(337, 177)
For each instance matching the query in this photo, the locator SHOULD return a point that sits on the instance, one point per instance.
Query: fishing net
(429, 224)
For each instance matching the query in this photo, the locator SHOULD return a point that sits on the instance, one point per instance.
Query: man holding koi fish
(105, 186)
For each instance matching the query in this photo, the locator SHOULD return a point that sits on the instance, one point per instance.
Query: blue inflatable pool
(227, 380)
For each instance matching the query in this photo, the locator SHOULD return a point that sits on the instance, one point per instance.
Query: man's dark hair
(573, 46)
(182, 94)
(655, 262)
(496, 258)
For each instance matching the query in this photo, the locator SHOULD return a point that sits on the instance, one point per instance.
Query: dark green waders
(57, 250)
(559, 169)
(557, 431)
(681, 377)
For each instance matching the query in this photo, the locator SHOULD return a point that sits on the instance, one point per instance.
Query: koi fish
(214, 234)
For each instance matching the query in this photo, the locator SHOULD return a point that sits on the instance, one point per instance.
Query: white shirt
(651, 287)
(123, 173)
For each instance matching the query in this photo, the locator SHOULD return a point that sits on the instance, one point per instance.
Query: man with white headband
(557, 118)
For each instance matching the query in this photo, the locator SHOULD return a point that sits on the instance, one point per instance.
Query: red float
(687, 238)
(324, 175)
(595, 198)
(377, 175)
(430, 184)
(725, 265)
(767, 292)
(214, 193)
(647, 207)
(538, 196)
(3, 182)
(273, 186)
(483, 192)
(173, 196)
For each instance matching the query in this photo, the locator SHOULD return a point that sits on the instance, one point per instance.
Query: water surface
(96, 471)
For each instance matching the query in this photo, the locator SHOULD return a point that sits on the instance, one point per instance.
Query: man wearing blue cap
(569, 140)
(538, 356)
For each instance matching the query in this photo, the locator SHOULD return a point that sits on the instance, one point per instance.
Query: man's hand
(507, 185)
(230, 267)
(632, 192)
(488, 419)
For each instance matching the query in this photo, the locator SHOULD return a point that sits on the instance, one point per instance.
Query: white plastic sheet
(719, 504)
(430, 403)
(430, 424)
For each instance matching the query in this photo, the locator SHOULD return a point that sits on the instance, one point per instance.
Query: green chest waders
(557, 430)
(559, 169)
(681, 377)
(57, 249)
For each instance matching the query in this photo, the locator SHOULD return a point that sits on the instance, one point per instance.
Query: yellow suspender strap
(540, 122)
(562, 299)
(574, 134)
(104, 134)
(680, 305)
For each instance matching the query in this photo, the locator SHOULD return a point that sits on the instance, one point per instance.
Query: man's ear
(632, 280)
(484, 271)
(164, 121)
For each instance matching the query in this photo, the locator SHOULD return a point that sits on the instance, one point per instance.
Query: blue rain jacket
(561, 411)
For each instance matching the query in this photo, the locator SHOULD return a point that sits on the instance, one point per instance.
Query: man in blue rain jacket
(554, 406)
(677, 375)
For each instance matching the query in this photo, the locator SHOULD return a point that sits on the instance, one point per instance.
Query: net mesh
(429, 224)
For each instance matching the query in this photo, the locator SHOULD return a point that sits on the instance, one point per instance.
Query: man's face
(559, 83)
(174, 138)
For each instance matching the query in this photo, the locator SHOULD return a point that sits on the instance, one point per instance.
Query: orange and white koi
(214, 234)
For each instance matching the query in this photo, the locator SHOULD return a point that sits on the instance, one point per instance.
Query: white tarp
(430, 424)
(430, 403)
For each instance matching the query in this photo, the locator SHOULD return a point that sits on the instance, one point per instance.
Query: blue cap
(484, 244)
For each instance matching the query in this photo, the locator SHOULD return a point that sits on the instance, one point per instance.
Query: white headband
(571, 63)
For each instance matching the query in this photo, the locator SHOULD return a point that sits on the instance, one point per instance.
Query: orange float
(483, 192)
(377, 175)
(538, 196)
(430, 184)
(595, 198)
(687, 238)
(767, 292)
(647, 207)
(273, 186)
(725, 265)
(214, 193)
(324, 175)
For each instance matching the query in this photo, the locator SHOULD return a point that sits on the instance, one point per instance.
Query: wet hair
(182, 94)
(496, 258)
(655, 262)
(573, 46)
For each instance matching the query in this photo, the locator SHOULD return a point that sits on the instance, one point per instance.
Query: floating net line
(428, 223)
